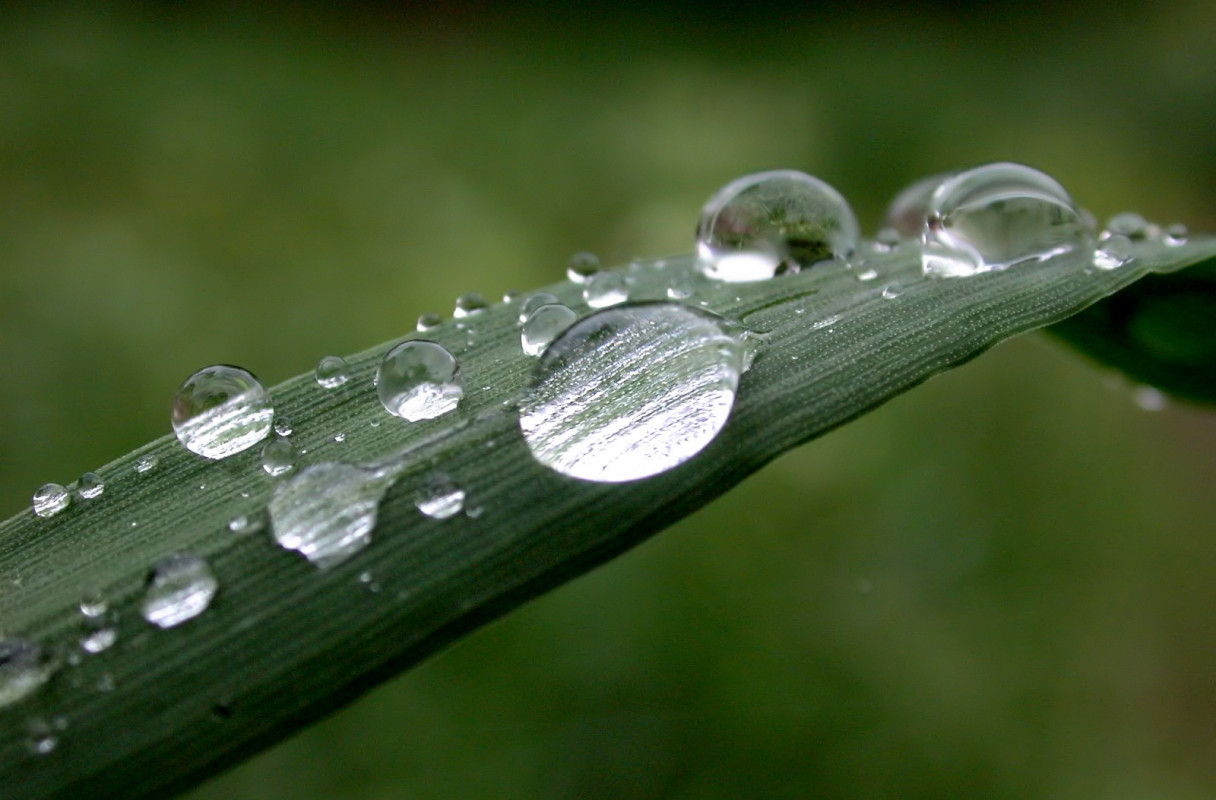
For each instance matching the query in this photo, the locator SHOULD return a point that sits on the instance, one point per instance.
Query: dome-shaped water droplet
(1176, 234)
(1129, 224)
(544, 325)
(1113, 251)
(50, 499)
(632, 391)
(998, 215)
(90, 486)
(439, 497)
(582, 266)
(23, 668)
(220, 411)
(534, 302)
(180, 587)
(332, 372)
(429, 320)
(99, 640)
(762, 224)
(419, 380)
(146, 463)
(468, 304)
(605, 289)
(278, 457)
(910, 209)
(93, 605)
(247, 523)
(892, 291)
(282, 425)
(327, 511)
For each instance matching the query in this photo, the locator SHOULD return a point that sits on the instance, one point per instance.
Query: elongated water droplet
(332, 372)
(327, 512)
(419, 380)
(867, 275)
(468, 304)
(632, 391)
(762, 224)
(439, 497)
(180, 587)
(278, 457)
(429, 320)
(99, 640)
(582, 266)
(996, 216)
(910, 209)
(23, 668)
(605, 289)
(892, 291)
(50, 499)
(90, 486)
(146, 463)
(220, 411)
(247, 523)
(544, 325)
(1113, 252)
(534, 302)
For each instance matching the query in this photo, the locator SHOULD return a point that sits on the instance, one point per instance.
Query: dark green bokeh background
(998, 586)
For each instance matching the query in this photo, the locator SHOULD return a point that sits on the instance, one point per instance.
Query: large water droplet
(180, 587)
(632, 391)
(1114, 251)
(90, 486)
(327, 511)
(544, 325)
(605, 289)
(582, 266)
(762, 224)
(998, 215)
(278, 457)
(50, 499)
(332, 372)
(220, 411)
(439, 497)
(419, 380)
(23, 668)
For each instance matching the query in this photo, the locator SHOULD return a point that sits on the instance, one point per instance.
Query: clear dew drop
(1150, 398)
(1113, 252)
(1176, 234)
(327, 512)
(220, 411)
(910, 209)
(428, 320)
(419, 380)
(760, 225)
(50, 499)
(146, 463)
(278, 457)
(99, 640)
(247, 523)
(469, 304)
(23, 668)
(544, 325)
(534, 302)
(867, 275)
(90, 486)
(632, 391)
(93, 605)
(996, 216)
(179, 588)
(439, 497)
(1129, 224)
(42, 739)
(332, 372)
(582, 266)
(283, 426)
(892, 291)
(605, 289)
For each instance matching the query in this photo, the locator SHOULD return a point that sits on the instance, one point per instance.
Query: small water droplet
(439, 497)
(278, 457)
(375, 423)
(146, 463)
(582, 266)
(867, 275)
(90, 486)
(419, 380)
(50, 499)
(760, 225)
(282, 426)
(996, 216)
(99, 640)
(469, 304)
(544, 325)
(534, 302)
(42, 740)
(910, 209)
(1150, 398)
(23, 668)
(632, 391)
(605, 289)
(892, 291)
(680, 288)
(180, 587)
(247, 523)
(510, 296)
(93, 605)
(327, 511)
(1129, 224)
(1113, 252)
(220, 411)
(826, 322)
(332, 372)
(339, 437)
(1176, 234)
(429, 320)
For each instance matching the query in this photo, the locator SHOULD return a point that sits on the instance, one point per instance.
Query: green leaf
(284, 643)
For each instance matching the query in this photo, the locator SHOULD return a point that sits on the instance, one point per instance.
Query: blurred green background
(998, 586)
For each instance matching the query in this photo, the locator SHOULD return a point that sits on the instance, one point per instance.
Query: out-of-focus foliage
(997, 586)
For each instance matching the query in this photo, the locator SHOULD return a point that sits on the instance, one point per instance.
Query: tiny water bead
(1129, 224)
(544, 325)
(283, 426)
(146, 463)
(1113, 252)
(332, 372)
(180, 587)
(220, 411)
(892, 291)
(419, 380)
(93, 605)
(328, 511)
(632, 391)
(247, 523)
(23, 668)
(99, 640)
(582, 266)
(867, 275)
(439, 497)
(50, 499)
(90, 486)
(278, 457)
(428, 320)
(534, 302)
(760, 225)
(995, 216)
(605, 289)
(468, 304)
(1176, 234)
